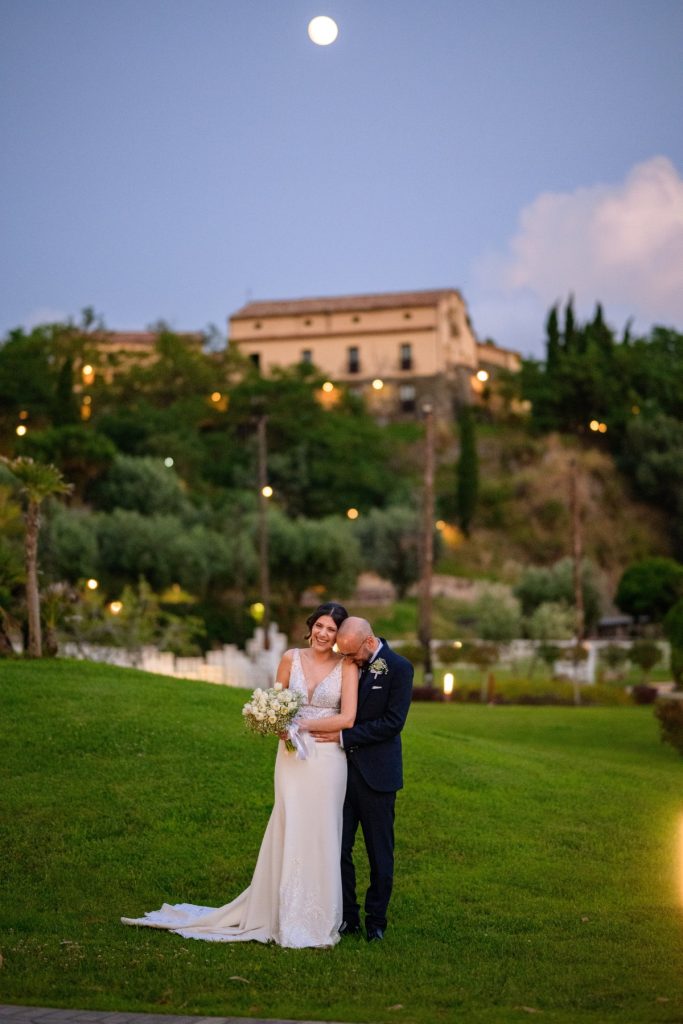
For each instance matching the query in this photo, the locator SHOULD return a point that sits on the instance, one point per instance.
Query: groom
(373, 750)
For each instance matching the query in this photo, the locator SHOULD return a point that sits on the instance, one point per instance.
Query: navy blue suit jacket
(373, 743)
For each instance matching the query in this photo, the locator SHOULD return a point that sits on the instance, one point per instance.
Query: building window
(307, 355)
(257, 325)
(256, 359)
(406, 395)
(307, 323)
(355, 319)
(354, 359)
(407, 316)
(406, 356)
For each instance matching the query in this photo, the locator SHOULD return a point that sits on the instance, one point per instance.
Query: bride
(295, 896)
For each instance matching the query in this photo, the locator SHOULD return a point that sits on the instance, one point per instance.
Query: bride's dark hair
(337, 612)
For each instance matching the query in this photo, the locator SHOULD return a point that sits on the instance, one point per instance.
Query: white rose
(272, 718)
(247, 709)
(259, 716)
(258, 691)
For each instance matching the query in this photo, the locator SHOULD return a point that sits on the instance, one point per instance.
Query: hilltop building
(397, 349)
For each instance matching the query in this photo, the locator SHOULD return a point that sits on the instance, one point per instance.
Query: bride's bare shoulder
(284, 669)
(349, 670)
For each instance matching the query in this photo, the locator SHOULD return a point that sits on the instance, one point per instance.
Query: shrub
(614, 656)
(650, 587)
(413, 652)
(498, 614)
(446, 654)
(673, 628)
(431, 693)
(645, 654)
(644, 694)
(669, 712)
(552, 620)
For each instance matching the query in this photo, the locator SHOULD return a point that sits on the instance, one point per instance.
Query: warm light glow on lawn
(448, 683)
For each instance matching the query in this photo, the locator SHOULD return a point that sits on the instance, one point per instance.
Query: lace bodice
(326, 698)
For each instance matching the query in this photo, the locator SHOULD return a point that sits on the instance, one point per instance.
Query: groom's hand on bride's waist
(325, 737)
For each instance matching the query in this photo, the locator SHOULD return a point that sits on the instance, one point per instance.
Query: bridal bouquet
(270, 712)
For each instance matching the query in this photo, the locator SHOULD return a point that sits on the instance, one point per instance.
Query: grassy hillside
(523, 513)
(537, 860)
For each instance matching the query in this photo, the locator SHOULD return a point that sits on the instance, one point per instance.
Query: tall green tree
(37, 481)
(390, 544)
(307, 554)
(467, 471)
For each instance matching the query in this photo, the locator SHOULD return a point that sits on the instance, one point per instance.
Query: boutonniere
(379, 667)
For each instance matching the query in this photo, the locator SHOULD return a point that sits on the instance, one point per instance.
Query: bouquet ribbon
(301, 742)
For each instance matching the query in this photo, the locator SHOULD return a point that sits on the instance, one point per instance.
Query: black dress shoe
(375, 934)
(346, 928)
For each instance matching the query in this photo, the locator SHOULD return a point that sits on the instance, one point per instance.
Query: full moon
(322, 30)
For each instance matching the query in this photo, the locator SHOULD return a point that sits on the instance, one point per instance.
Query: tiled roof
(132, 339)
(342, 303)
(142, 339)
(483, 346)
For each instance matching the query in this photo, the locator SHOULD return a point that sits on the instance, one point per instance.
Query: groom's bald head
(355, 639)
(354, 628)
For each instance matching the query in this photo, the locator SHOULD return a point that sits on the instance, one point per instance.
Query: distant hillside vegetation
(523, 513)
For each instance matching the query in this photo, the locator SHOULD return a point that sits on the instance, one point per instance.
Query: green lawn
(538, 867)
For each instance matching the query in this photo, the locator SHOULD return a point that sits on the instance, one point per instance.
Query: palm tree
(38, 481)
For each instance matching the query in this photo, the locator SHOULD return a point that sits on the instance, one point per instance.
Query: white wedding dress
(295, 896)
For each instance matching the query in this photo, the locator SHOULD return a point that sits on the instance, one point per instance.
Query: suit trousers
(374, 811)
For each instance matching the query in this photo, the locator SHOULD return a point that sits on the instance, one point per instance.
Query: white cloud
(618, 244)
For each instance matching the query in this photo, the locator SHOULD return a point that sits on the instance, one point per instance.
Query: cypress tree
(467, 471)
(553, 342)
